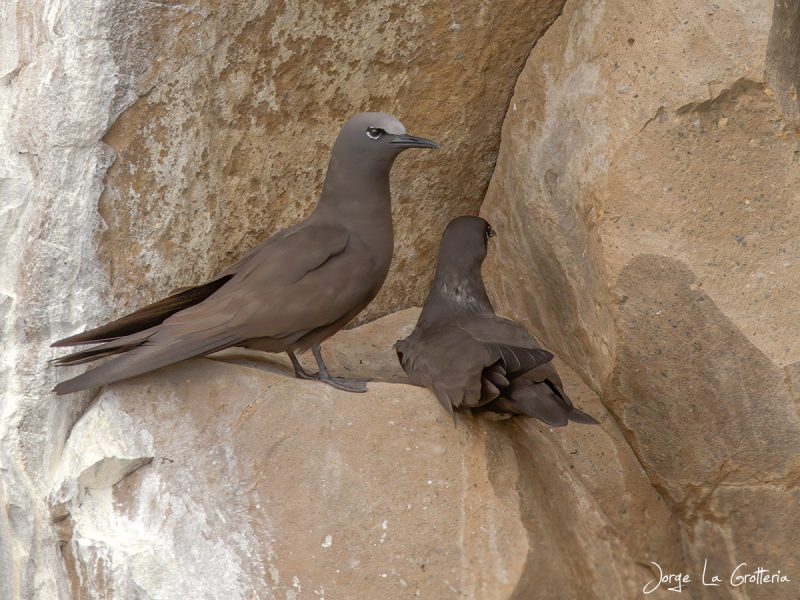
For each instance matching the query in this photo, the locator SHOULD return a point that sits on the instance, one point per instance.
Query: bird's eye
(375, 133)
(489, 232)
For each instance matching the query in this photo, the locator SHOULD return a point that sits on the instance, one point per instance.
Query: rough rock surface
(646, 199)
(57, 82)
(214, 480)
(647, 189)
(241, 102)
(216, 99)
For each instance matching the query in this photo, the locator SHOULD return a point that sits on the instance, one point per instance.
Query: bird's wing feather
(148, 316)
(276, 295)
(492, 329)
(545, 372)
(518, 349)
(109, 348)
(539, 393)
(287, 257)
(309, 279)
(252, 258)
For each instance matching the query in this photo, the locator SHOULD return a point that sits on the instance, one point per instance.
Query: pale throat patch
(461, 294)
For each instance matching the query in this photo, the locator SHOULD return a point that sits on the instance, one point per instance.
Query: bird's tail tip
(73, 340)
(62, 389)
(70, 386)
(578, 416)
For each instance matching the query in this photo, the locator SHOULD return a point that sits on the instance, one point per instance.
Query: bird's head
(374, 136)
(458, 287)
(466, 240)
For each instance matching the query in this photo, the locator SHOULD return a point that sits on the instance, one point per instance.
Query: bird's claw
(337, 382)
(323, 375)
(301, 374)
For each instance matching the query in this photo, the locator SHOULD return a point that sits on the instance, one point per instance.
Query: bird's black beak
(411, 141)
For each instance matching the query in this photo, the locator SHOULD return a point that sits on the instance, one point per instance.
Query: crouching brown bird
(470, 357)
(290, 293)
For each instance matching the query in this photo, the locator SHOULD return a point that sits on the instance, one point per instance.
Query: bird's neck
(455, 293)
(357, 188)
(352, 178)
(357, 194)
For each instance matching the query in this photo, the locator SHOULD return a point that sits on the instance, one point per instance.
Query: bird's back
(487, 363)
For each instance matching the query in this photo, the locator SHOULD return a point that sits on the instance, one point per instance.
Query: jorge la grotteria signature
(740, 575)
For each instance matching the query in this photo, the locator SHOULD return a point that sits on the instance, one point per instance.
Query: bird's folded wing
(148, 316)
(518, 349)
(545, 372)
(305, 280)
(494, 329)
(264, 300)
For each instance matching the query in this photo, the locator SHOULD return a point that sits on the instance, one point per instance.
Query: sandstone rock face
(646, 203)
(646, 199)
(228, 111)
(213, 480)
(241, 102)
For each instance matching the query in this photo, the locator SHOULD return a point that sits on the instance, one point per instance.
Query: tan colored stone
(684, 370)
(713, 421)
(641, 149)
(715, 185)
(241, 102)
(646, 203)
(253, 484)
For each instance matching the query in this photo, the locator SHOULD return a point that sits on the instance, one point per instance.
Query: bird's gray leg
(337, 382)
(299, 371)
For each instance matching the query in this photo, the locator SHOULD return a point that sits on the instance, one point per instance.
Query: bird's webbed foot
(345, 384)
(337, 382)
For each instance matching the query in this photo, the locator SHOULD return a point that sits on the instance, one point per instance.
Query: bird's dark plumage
(470, 357)
(290, 293)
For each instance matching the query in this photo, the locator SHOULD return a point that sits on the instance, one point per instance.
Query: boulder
(217, 118)
(645, 196)
(213, 479)
(646, 203)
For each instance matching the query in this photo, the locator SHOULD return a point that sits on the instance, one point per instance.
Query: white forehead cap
(363, 121)
(377, 120)
(388, 123)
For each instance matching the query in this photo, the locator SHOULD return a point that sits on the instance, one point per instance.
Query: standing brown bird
(470, 357)
(290, 293)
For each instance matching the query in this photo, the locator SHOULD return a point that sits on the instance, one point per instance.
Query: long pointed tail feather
(110, 348)
(146, 317)
(578, 416)
(543, 400)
